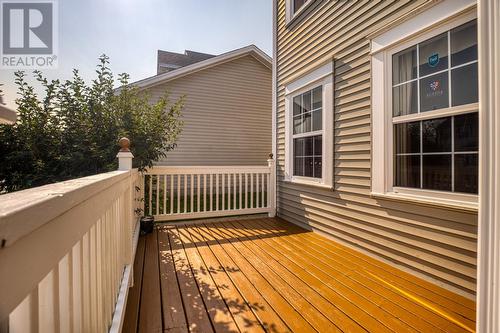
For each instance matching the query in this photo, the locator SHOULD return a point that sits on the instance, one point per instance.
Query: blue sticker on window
(433, 60)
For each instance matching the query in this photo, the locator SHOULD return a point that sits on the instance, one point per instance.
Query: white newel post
(124, 155)
(271, 203)
(488, 280)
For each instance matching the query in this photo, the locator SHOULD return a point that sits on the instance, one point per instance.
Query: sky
(131, 31)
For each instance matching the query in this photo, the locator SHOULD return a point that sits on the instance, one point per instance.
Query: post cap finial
(124, 144)
(270, 156)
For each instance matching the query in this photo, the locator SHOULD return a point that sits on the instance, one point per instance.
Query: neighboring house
(377, 130)
(7, 116)
(227, 114)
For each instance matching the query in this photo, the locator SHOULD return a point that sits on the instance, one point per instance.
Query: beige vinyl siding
(227, 115)
(435, 243)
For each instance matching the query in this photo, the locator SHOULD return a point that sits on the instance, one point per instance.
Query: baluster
(178, 210)
(257, 188)
(234, 192)
(211, 193)
(77, 287)
(191, 205)
(228, 191)
(223, 191)
(150, 199)
(246, 190)
(172, 200)
(268, 193)
(198, 193)
(251, 190)
(24, 318)
(205, 193)
(185, 193)
(241, 204)
(164, 194)
(157, 194)
(217, 192)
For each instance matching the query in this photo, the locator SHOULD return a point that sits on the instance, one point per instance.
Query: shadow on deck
(269, 275)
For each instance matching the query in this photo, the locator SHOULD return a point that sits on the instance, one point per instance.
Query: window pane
(318, 144)
(317, 167)
(407, 171)
(308, 167)
(437, 172)
(308, 146)
(464, 88)
(466, 173)
(407, 137)
(404, 99)
(298, 147)
(466, 132)
(297, 125)
(404, 65)
(317, 120)
(433, 54)
(306, 101)
(298, 166)
(317, 97)
(434, 92)
(297, 4)
(463, 42)
(436, 135)
(307, 122)
(297, 105)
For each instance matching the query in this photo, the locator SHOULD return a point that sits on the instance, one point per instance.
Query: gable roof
(251, 50)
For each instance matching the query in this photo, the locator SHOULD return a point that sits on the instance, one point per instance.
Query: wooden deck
(269, 275)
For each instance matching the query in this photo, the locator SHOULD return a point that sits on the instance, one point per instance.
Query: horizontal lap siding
(437, 244)
(227, 115)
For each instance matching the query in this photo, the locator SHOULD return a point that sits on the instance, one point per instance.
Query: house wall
(227, 115)
(438, 244)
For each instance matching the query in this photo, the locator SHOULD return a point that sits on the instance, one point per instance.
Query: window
(295, 7)
(309, 128)
(425, 126)
(437, 74)
(297, 4)
(307, 133)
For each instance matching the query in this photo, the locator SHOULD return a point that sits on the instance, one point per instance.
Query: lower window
(438, 154)
(307, 156)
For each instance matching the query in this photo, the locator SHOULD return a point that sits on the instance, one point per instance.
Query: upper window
(297, 4)
(295, 7)
(440, 153)
(425, 111)
(309, 128)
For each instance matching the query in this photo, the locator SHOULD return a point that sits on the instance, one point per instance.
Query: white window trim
(322, 76)
(290, 15)
(438, 19)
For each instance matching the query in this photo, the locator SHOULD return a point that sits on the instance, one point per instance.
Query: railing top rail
(24, 211)
(206, 169)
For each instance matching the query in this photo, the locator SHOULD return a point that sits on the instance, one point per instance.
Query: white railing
(176, 193)
(66, 253)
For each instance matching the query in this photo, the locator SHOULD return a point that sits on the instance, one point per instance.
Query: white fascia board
(220, 59)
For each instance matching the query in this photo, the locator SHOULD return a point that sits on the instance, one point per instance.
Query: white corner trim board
(488, 279)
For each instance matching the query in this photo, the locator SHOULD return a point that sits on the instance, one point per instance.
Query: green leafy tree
(73, 129)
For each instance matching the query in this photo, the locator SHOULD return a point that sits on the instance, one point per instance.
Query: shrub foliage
(73, 129)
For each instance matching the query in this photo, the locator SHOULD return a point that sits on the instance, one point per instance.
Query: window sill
(461, 206)
(308, 183)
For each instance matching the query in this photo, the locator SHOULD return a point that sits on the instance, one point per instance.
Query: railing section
(66, 254)
(176, 193)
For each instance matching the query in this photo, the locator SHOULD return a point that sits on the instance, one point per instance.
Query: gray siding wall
(437, 244)
(227, 115)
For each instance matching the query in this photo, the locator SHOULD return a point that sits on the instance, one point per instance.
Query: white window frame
(290, 15)
(432, 22)
(322, 76)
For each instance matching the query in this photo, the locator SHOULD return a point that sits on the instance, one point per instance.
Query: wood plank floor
(268, 275)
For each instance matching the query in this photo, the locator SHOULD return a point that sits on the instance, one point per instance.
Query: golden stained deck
(269, 275)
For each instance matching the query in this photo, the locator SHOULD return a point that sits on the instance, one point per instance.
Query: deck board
(269, 275)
